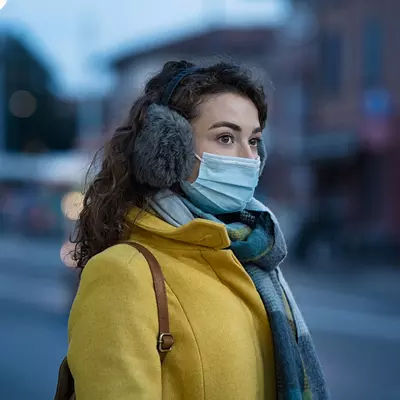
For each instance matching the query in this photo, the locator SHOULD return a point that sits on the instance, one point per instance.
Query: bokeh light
(66, 254)
(3, 3)
(71, 205)
(22, 104)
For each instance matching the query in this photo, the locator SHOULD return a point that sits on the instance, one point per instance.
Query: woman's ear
(164, 149)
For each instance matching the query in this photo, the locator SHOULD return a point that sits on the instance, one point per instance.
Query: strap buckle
(165, 342)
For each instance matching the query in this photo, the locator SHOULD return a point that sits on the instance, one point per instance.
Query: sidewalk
(373, 290)
(32, 252)
(381, 277)
(33, 275)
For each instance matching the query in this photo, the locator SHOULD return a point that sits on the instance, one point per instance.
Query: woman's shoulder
(117, 275)
(119, 262)
(115, 285)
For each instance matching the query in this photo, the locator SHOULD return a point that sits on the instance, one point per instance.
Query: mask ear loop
(198, 157)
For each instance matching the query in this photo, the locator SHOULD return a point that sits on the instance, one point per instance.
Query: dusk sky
(70, 34)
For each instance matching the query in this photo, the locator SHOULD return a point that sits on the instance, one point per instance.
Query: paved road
(32, 344)
(35, 293)
(356, 328)
(354, 318)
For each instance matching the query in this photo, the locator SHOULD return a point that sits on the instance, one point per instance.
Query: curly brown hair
(113, 190)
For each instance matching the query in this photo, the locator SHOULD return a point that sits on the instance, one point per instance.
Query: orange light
(71, 205)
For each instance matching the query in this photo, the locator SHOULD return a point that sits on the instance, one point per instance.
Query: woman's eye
(226, 139)
(254, 141)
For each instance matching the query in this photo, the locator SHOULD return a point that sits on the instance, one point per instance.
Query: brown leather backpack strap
(165, 339)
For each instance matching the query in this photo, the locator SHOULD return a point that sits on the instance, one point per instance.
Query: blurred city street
(354, 317)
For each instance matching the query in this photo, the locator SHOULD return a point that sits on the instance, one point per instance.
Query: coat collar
(198, 232)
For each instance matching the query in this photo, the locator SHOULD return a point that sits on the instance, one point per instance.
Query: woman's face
(227, 125)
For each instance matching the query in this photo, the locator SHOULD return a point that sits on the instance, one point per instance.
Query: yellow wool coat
(223, 348)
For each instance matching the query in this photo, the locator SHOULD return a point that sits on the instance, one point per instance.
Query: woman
(179, 179)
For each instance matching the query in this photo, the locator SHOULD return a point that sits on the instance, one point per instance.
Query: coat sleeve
(113, 330)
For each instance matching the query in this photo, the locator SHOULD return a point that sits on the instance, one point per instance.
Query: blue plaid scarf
(258, 243)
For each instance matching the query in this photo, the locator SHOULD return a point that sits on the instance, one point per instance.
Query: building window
(372, 53)
(331, 62)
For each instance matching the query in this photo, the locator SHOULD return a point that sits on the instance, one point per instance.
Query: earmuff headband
(173, 84)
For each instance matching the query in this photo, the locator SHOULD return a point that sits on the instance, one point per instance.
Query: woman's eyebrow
(231, 125)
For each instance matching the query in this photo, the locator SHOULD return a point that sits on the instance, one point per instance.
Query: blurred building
(32, 117)
(352, 144)
(90, 122)
(333, 93)
(137, 64)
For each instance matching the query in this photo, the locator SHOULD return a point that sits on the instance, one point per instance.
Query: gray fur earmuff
(164, 149)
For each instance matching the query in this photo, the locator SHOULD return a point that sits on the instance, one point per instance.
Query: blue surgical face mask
(224, 185)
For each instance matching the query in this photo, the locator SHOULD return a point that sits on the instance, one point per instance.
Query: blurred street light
(66, 254)
(22, 103)
(71, 205)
